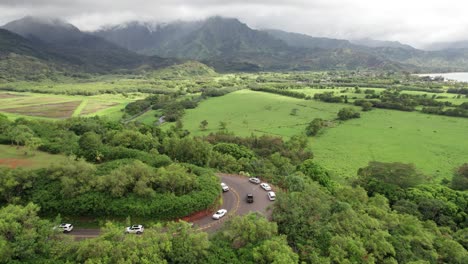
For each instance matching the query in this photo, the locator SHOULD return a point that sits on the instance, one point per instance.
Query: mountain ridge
(224, 43)
(62, 44)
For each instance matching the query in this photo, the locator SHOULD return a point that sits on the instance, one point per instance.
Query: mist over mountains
(226, 44)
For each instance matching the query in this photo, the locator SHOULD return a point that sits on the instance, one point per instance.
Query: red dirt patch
(15, 163)
(196, 216)
(57, 110)
(200, 214)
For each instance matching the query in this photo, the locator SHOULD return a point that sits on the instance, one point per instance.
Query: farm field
(435, 144)
(13, 157)
(50, 106)
(246, 112)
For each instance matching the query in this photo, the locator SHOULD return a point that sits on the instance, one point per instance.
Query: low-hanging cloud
(415, 22)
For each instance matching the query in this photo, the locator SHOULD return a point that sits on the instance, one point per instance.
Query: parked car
(265, 186)
(220, 213)
(254, 180)
(66, 228)
(224, 187)
(135, 229)
(250, 198)
(271, 196)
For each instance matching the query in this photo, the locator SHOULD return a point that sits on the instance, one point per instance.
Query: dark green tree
(348, 113)
(90, 146)
(203, 124)
(314, 127)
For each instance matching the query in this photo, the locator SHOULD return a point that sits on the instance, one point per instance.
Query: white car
(135, 229)
(220, 213)
(66, 228)
(224, 187)
(271, 196)
(265, 186)
(254, 180)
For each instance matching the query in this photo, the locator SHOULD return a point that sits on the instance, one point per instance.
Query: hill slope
(463, 44)
(372, 43)
(305, 41)
(62, 43)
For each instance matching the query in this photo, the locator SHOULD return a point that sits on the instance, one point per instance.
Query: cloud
(416, 22)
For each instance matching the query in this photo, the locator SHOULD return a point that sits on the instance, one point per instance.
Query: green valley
(211, 141)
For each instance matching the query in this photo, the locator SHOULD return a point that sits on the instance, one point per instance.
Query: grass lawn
(246, 112)
(435, 144)
(14, 157)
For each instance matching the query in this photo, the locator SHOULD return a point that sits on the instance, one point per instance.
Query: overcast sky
(415, 22)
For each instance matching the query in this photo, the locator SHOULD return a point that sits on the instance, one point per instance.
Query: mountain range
(55, 45)
(223, 43)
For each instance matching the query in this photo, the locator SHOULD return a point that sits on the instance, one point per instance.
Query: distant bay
(456, 76)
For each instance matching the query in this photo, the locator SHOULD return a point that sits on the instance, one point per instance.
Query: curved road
(234, 201)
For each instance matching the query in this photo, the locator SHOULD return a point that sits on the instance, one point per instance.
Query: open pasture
(435, 144)
(246, 112)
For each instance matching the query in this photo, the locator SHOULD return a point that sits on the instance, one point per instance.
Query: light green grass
(80, 108)
(11, 155)
(435, 144)
(247, 112)
(148, 118)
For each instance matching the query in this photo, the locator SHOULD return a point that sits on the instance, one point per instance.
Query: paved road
(234, 201)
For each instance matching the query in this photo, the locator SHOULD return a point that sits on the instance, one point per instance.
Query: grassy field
(50, 106)
(435, 144)
(13, 157)
(246, 112)
(148, 118)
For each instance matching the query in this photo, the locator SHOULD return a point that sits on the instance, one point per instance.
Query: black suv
(250, 198)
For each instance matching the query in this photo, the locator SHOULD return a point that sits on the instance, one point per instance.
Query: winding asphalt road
(234, 201)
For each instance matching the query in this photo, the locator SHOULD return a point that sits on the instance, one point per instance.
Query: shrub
(348, 113)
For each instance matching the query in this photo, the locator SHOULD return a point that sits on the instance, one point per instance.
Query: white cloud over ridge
(415, 22)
